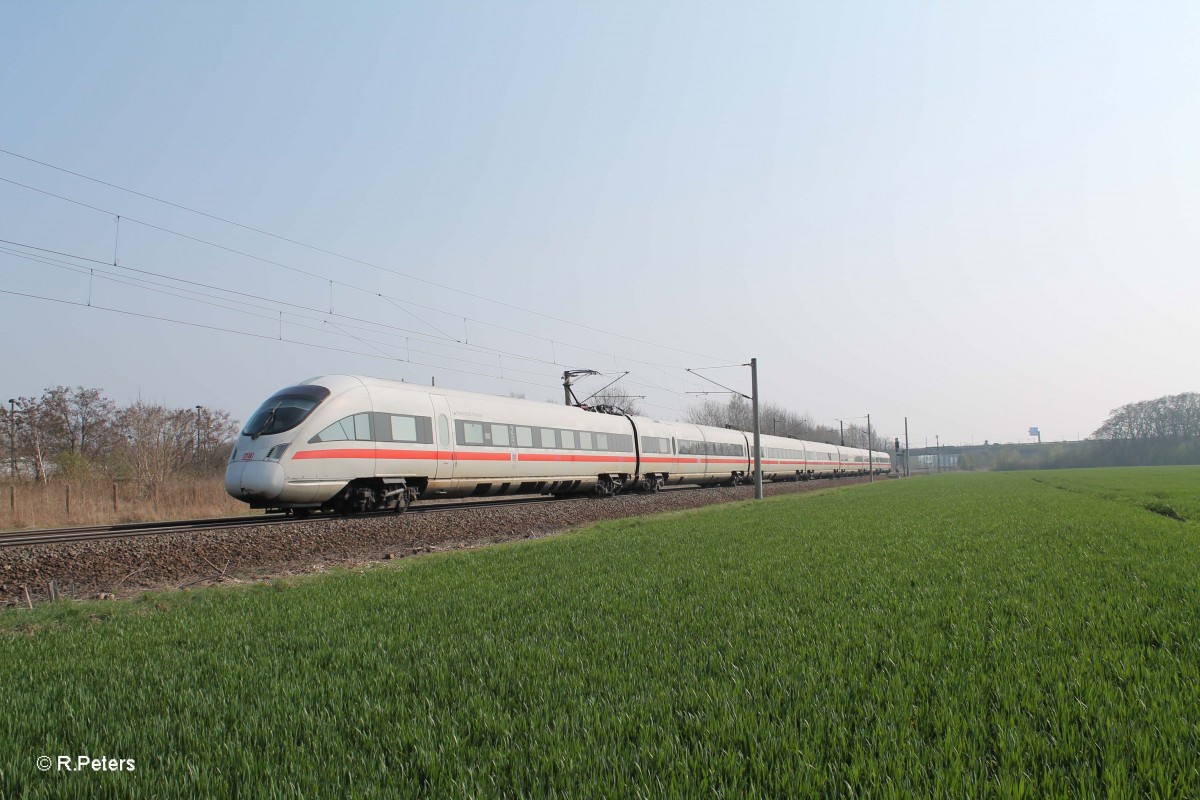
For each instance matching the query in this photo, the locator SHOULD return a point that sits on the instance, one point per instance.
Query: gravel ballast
(125, 567)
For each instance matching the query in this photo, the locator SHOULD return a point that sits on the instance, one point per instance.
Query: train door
(443, 426)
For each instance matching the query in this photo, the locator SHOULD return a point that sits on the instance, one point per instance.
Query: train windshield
(285, 410)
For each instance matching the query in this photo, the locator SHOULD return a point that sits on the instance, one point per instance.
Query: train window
(357, 427)
(601, 441)
(524, 437)
(284, 412)
(568, 439)
(500, 435)
(339, 431)
(471, 433)
(404, 429)
(548, 438)
(585, 440)
(443, 430)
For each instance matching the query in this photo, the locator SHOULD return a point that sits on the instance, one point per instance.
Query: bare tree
(83, 420)
(158, 442)
(618, 397)
(37, 432)
(737, 413)
(218, 431)
(1170, 417)
(74, 431)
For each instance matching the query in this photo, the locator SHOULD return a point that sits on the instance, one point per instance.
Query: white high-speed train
(349, 443)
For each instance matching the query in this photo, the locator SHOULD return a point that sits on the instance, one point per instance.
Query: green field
(1013, 634)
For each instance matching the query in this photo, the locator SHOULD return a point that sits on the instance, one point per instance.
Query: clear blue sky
(979, 215)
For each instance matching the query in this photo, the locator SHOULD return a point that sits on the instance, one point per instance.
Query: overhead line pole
(753, 365)
(906, 472)
(870, 453)
(758, 490)
(12, 439)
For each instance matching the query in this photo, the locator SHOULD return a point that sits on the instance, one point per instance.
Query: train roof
(342, 382)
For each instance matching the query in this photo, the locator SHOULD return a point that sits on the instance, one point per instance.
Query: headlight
(276, 452)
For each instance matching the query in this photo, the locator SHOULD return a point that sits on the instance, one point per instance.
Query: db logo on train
(247, 456)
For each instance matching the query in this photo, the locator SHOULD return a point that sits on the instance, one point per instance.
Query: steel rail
(47, 536)
(93, 533)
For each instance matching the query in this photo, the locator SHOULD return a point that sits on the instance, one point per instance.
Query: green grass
(1008, 635)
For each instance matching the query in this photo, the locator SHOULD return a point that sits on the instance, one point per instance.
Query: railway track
(129, 530)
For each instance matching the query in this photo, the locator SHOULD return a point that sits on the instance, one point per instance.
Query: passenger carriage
(350, 443)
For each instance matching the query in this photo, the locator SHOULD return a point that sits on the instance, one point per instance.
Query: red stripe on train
(468, 455)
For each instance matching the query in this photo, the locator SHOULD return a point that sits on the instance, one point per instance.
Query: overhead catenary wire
(458, 345)
(331, 281)
(396, 302)
(429, 338)
(352, 259)
(142, 284)
(279, 337)
(260, 336)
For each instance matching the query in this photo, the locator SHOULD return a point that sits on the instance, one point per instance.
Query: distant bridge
(959, 449)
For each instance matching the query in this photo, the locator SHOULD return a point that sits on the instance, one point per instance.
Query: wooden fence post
(114, 495)
(68, 501)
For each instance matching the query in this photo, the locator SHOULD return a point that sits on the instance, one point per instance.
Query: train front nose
(254, 482)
